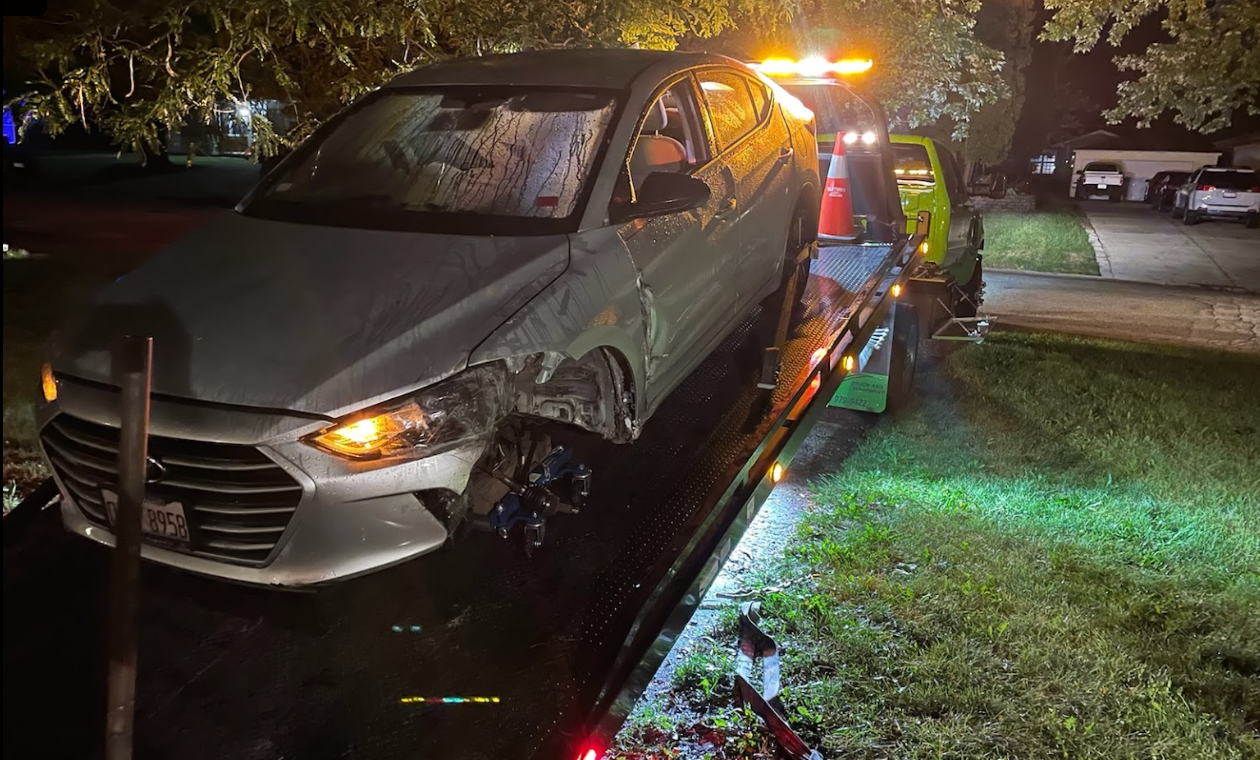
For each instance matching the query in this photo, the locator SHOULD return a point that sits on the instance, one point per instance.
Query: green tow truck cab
(934, 196)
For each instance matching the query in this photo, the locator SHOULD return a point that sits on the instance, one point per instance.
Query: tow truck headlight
(454, 411)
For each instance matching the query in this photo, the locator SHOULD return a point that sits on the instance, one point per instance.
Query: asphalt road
(1125, 310)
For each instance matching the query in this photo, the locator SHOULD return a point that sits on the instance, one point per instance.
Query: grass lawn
(1049, 240)
(1056, 554)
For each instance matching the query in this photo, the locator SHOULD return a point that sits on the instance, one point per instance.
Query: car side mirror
(663, 193)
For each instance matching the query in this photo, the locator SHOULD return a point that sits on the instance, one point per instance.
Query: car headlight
(452, 412)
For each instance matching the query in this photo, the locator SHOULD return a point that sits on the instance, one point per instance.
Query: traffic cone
(835, 220)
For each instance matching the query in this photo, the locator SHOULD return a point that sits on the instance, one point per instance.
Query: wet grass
(1047, 240)
(1056, 554)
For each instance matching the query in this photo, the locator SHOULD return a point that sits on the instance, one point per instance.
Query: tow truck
(951, 277)
(481, 652)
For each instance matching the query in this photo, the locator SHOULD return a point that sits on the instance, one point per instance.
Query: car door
(963, 215)
(680, 257)
(754, 150)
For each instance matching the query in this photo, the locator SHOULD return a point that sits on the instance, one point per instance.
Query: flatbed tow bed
(473, 651)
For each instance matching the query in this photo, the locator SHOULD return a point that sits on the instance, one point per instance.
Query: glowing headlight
(868, 138)
(454, 411)
(850, 138)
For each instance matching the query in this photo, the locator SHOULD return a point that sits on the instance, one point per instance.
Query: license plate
(157, 518)
(1102, 185)
(1230, 194)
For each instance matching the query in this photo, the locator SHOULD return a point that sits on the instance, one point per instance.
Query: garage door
(1139, 172)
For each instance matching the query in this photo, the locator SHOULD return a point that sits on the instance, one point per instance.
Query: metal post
(133, 364)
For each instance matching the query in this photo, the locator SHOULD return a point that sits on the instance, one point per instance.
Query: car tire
(1253, 221)
(904, 360)
(1191, 218)
(1177, 211)
(1115, 196)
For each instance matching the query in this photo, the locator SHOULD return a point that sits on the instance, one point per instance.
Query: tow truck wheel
(905, 355)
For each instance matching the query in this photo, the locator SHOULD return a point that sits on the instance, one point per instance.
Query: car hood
(319, 320)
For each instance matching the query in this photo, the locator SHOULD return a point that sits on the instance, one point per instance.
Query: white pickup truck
(1100, 178)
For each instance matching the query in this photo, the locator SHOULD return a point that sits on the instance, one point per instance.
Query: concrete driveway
(1136, 243)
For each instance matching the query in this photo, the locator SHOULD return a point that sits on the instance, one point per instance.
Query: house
(230, 131)
(1241, 149)
(1140, 154)
(1056, 158)
(1140, 165)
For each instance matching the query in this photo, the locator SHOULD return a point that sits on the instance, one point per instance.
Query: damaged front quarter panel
(577, 349)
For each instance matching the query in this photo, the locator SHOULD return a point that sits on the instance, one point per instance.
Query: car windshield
(1097, 167)
(463, 160)
(1231, 180)
(911, 163)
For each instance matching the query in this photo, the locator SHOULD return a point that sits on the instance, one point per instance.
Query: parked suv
(481, 257)
(1220, 193)
(1162, 189)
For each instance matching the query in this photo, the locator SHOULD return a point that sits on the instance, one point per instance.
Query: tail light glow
(1203, 187)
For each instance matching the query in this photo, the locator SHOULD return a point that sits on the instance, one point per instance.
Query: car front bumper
(349, 519)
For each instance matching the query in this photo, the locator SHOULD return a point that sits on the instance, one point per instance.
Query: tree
(1207, 73)
(144, 68)
(930, 70)
(1008, 26)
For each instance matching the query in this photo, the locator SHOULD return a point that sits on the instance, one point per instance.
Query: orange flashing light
(49, 382)
(848, 362)
(896, 290)
(776, 473)
(814, 67)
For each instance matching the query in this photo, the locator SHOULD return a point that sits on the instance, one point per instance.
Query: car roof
(586, 67)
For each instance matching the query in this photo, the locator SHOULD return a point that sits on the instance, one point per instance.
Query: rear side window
(730, 104)
(761, 98)
(1101, 167)
(1231, 180)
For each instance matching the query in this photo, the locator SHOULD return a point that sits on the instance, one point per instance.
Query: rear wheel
(1178, 212)
(1115, 196)
(1191, 217)
(905, 356)
(1253, 221)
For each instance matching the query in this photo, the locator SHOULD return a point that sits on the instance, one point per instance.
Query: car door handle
(728, 209)
(786, 153)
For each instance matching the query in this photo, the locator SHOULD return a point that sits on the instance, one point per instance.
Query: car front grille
(237, 501)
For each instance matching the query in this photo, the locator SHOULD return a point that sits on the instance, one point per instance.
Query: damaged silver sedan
(389, 334)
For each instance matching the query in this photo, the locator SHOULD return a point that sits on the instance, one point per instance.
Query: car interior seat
(655, 152)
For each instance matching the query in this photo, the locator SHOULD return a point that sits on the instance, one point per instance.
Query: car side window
(730, 103)
(761, 98)
(670, 138)
(953, 177)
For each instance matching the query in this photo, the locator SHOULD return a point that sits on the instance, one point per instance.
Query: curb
(1098, 278)
(1100, 251)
